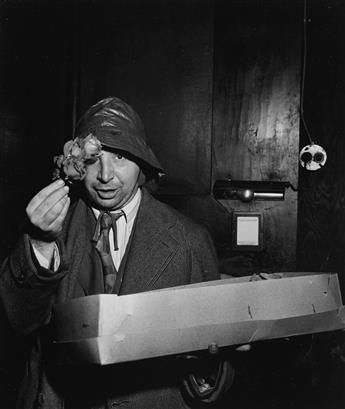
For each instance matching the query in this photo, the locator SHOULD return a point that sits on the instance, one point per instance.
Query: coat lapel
(76, 236)
(152, 246)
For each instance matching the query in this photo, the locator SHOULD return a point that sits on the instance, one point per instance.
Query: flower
(77, 153)
(67, 146)
(91, 147)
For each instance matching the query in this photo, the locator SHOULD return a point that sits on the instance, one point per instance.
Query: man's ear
(141, 178)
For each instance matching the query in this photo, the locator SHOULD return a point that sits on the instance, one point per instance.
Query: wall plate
(247, 228)
(313, 157)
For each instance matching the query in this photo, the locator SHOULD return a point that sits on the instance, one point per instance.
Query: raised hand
(47, 211)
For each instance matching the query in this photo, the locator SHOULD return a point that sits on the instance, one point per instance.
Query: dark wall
(256, 121)
(321, 211)
(158, 56)
(35, 64)
(321, 221)
(255, 127)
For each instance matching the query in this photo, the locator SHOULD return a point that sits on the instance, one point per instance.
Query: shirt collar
(129, 210)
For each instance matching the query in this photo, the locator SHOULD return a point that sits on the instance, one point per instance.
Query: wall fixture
(313, 157)
(248, 190)
(247, 231)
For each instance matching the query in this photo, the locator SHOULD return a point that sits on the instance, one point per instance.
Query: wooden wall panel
(256, 118)
(158, 56)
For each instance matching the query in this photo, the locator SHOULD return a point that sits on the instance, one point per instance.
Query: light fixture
(248, 190)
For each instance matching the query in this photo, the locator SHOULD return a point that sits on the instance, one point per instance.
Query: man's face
(112, 181)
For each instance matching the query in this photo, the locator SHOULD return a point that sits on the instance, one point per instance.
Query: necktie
(105, 222)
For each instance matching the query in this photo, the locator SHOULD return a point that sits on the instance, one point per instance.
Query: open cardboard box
(105, 329)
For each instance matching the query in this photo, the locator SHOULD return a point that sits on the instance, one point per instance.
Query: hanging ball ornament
(312, 157)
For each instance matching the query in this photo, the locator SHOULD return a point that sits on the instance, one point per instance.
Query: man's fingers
(45, 214)
(43, 194)
(54, 198)
(47, 228)
(53, 213)
(50, 208)
(57, 223)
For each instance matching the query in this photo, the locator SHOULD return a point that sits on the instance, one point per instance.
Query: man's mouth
(106, 193)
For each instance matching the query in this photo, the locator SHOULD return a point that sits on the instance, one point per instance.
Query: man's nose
(106, 170)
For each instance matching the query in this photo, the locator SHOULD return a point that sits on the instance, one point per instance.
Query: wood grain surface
(256, 120)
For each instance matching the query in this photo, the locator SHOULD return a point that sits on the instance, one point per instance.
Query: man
(114, 238)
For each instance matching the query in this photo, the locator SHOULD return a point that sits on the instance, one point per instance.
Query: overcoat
(166, 249)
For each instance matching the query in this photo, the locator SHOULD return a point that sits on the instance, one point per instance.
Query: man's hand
(47, 211)
(209, 376)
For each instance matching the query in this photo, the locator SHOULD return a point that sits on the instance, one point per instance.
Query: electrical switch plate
(247, 231)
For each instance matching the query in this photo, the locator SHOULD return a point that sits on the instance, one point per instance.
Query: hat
(117, 126)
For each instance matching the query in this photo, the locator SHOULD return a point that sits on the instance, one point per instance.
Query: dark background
(218, 85)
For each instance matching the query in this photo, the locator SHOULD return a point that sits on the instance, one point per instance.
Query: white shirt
(124, 229)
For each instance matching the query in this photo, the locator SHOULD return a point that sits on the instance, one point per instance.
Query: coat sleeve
(27, 290)
(203, 256)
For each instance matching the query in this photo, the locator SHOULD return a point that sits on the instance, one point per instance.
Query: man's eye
(118, 156)
(91, 161)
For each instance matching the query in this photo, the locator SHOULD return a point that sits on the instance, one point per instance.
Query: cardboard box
(105, 329)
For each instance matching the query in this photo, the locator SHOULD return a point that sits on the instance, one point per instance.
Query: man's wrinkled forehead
(117, 151)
